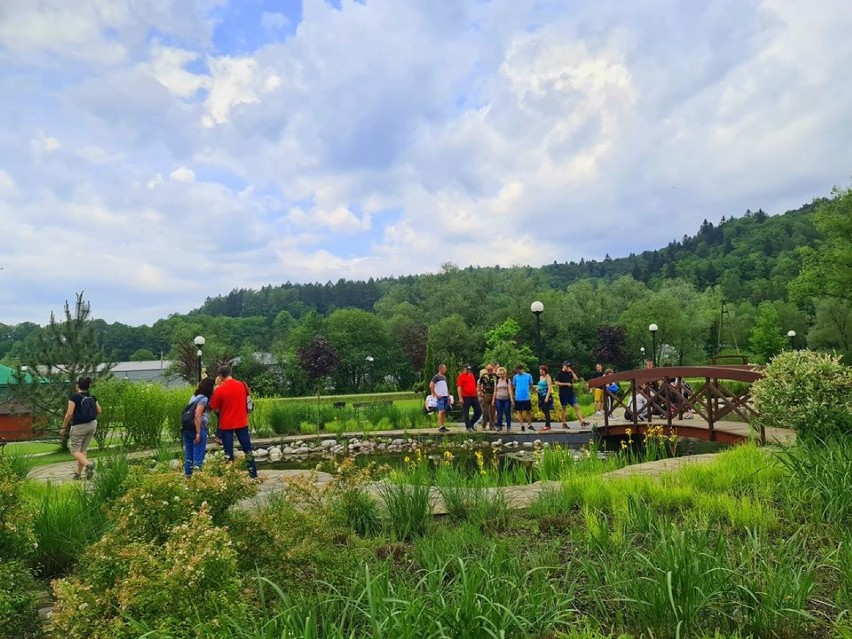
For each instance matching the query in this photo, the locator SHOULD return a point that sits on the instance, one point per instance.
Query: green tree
(766, 339)
(827, 268)
(502, 346)
(142, 355)
(63, 352)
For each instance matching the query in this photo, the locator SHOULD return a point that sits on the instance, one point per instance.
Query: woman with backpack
(82, 418)
(194, 426)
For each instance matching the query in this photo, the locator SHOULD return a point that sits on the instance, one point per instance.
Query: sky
(157, 152)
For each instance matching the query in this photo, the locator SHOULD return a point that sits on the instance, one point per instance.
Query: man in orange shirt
(466, 386)
(229, 401)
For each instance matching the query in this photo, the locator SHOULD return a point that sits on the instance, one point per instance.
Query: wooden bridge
(693, 400)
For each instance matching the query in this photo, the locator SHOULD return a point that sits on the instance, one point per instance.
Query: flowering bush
(806, 391)
(157, 501)
(178, 588)
(18, 614)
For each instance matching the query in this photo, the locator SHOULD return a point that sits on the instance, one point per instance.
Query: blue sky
(156, 152)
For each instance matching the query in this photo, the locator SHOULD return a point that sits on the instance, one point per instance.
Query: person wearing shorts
(81, 429)
(598, 393)
(565, 382)
(439, 389)
(522, 382)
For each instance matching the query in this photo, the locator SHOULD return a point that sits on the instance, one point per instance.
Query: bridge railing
(668, 393)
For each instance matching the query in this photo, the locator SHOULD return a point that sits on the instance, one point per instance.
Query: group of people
(229, 398)
(492, 397)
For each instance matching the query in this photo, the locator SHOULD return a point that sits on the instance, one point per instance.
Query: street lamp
(537, 309)
(370, 359)
(199, 342)
(790, 335)
(653, 328)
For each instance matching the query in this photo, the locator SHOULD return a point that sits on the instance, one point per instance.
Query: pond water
(515, 454)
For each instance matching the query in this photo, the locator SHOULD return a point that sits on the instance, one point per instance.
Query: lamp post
(199, 342)
(537, 308)
(370, 359)
(653, 328)
(790, 335)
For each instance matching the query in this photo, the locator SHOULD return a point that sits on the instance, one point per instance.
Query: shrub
(18, 612)
(157, 501)
(806, 391)
(176, 589)
(17, 539)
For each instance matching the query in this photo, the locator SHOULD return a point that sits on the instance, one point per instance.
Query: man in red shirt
(229, 401)
(466, 385)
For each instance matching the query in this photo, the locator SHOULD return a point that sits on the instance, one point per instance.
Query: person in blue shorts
(564, 381)
(522, 382)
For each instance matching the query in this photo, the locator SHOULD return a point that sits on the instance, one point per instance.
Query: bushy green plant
(17, 538)
(18, 612)
(19, 463)
(176, 587)
(18, 615)
(806, 391)
(407, 498)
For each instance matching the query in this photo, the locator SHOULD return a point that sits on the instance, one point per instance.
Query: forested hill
(751, 258)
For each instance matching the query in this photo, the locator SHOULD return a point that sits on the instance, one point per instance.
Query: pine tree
(63, 352)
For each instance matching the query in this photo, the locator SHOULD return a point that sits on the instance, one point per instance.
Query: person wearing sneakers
(439, 389)
(522, 382)
(82, 417)
(545, 394)
(565, 382)
(468, 397)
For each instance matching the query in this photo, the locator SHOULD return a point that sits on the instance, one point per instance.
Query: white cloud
(273, 21)
(7, 185)
(182, 174)
(337, 220)
(235, 81)
(167, 64)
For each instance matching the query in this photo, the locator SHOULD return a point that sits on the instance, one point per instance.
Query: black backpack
(187, 417)
(87, 410)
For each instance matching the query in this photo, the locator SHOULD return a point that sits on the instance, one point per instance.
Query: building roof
(147, 365)
(6, 375)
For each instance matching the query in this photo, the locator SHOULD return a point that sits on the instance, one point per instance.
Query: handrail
(711, 400)
(734, 373)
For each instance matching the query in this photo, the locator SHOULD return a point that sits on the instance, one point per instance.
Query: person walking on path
(441, 392)
(522, 382)
(565, 382)
(230, 401)
(504, 400)
(468, 397)
(485, 391)
(545, 394)
(82, 418)
(195, 440)
(598, 393)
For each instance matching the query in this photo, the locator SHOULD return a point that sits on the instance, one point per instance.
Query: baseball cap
(566, 363)
(468, 367)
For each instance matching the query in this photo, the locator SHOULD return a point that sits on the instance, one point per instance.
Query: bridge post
(711, 413)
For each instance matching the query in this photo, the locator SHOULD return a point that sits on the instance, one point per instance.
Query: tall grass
(307, 417)
(19, 463)
(494, 596)
(821, 473)
(407, 498)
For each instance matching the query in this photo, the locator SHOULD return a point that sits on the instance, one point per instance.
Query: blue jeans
(193, 454)
(227, 436)
(504, 407)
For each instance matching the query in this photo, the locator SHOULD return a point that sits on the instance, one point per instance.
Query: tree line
(738, 286)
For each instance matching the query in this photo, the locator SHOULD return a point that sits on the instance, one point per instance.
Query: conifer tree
(62, 352)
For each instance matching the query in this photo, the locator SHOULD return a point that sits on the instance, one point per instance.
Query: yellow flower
(407, 459)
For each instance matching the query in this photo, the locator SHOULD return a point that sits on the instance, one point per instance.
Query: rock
(274, 457)
(328, 443)
(382, 446)
(175, 464)
(303, 450)
(275, 450)
(528, 444)
(287, 451)
(537, 442)
(260, 453)
(398, 442)
(496, 444)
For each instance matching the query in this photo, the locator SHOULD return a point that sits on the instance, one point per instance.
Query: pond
(501, 453)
